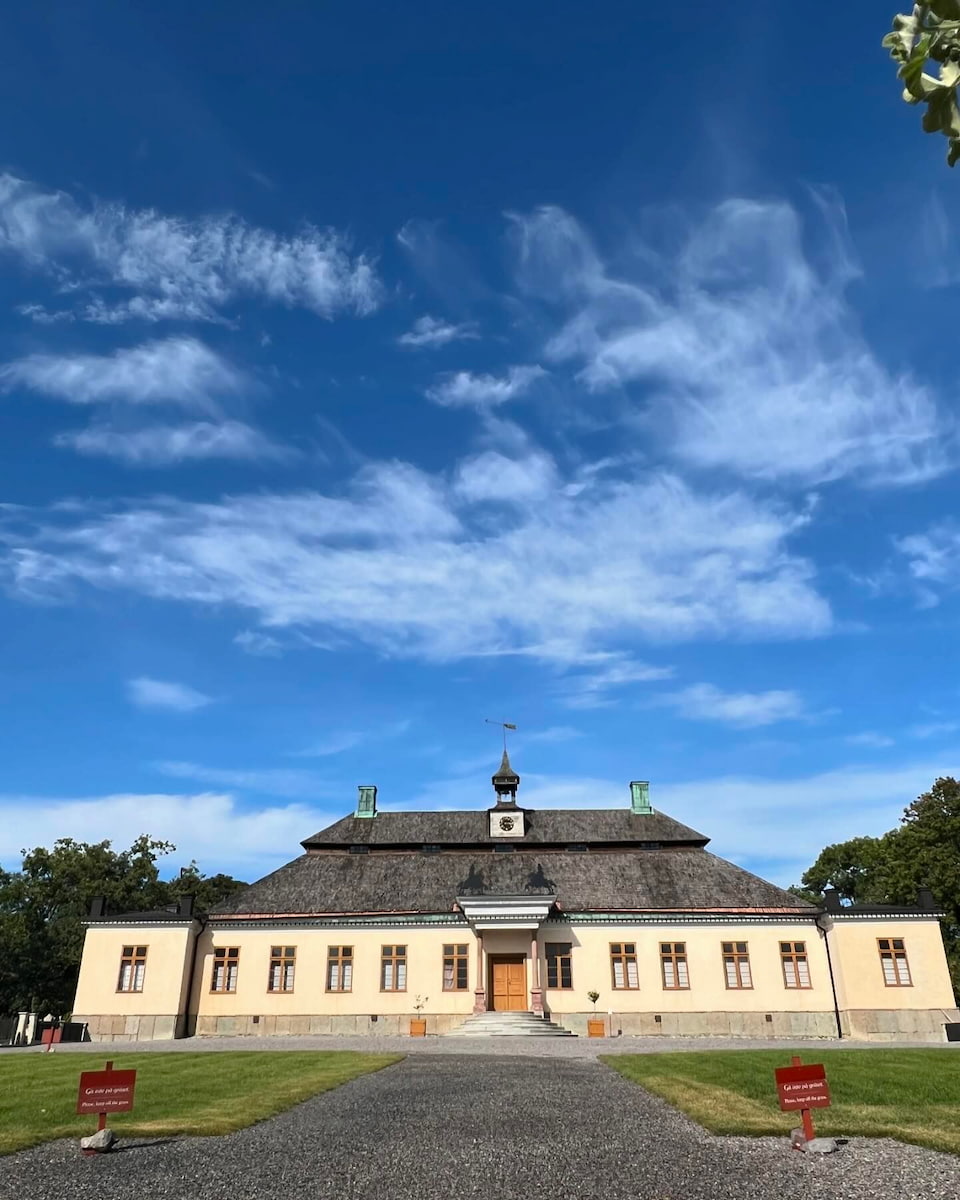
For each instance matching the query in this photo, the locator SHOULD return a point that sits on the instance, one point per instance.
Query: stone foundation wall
(305, 1026)
(140, 1028)
(904, 1024)
(709, 1024)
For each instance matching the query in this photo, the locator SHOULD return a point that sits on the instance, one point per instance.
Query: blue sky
(369, 373)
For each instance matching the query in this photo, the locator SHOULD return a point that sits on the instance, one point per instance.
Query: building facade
(389, 916)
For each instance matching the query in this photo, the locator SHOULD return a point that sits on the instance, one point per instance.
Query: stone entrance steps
(509, 1024)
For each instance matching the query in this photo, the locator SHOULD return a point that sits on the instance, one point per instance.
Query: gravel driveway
(436, 1127)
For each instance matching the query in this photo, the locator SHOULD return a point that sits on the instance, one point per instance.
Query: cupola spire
(505, 782)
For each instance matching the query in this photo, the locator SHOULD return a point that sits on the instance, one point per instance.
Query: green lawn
(177, 1093)
(911, 1095)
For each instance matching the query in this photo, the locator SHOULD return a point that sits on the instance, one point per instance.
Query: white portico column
(536, 992)
(480, 991)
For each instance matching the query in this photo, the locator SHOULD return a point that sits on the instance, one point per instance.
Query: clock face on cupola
(506, 819)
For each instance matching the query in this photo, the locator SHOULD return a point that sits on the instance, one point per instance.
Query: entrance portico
(508, 951)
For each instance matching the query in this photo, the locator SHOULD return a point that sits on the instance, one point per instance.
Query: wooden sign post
(103, 1092)
(803, 1087)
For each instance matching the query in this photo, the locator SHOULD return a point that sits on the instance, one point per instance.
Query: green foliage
(931, 33)
(43, 905)
(924, 851)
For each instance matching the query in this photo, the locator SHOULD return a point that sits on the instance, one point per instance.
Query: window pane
(803, 972)
(790, 973)
(618, 973)
(731, 969)
(347, 976)
(682, 977)
(462, 972)
(566, 973)
(401, 976)
(448, 975)
(386, 982)
(669, 974)
(745, 979)
(632, 977)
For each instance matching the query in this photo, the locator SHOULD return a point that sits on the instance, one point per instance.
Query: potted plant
(596, 1026)
(418, 1024)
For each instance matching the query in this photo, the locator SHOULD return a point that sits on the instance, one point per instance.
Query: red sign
(106, 1091)
(802, 1087)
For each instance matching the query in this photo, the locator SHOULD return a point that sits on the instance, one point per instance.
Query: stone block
(100, 1142)
(693, 1024)
(320, 1025)
(227, 1026)
(343, 1024)
(165, 1028)
(888, 1023)
(131, 1026)
(299, 1026)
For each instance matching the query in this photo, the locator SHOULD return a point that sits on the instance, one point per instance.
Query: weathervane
(505, 725)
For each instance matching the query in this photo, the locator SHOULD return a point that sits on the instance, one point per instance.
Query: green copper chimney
(640, 796)
(366, 801)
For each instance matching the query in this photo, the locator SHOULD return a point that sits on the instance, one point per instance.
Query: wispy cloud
(932, 560)
(210, 827)
(333, 743)
(874, 741)
(933, 729)
(338, 741)
(463, 389)
(430, 333)
(164, 694)
(178, 268)
(177, 370)
(743, 710)
(161, 445)
(745, 356)
(259, 644)
(270, 781)
(400, 562)
(592, 688)
(552, 734)
(492, 476)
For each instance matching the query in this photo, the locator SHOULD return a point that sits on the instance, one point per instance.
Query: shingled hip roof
(543, 826)
(675, 880)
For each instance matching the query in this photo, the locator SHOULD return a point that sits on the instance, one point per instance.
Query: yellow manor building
(466, 919)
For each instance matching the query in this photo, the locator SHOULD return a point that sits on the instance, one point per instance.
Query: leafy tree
(931, 33)
(43, 905)
(855, 868)
(923, 851)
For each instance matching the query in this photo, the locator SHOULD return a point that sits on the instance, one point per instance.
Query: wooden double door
(508, 983)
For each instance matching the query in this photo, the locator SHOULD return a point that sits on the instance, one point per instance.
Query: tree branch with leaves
(931, 34)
